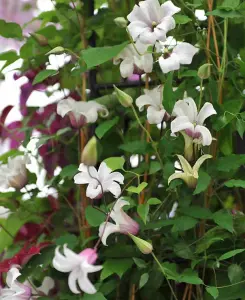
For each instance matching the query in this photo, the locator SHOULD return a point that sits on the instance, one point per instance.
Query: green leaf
(190, 276)
(181, 19)
(229, 163)
(115, 266)
(11, 153)
(240, 126)
(69, 171)
(137, 189)
(41, 76)
(224, 219)
(235, 273)
(143, 211)
(115, 163)
(143, 280)
(230, 254)
(136, 147)
(140, 263)
(170, 270)
(10, 30)
(235, 183)
(183, 223)
(225, 14)
(213, 291)
(168, 94)
(183, 250)
(155, 166)
(97, 56)
(94, 217)
(154, 201)
(203, 182)
(9, 56)
(97, 296)
(229, 4)
(103, 128)
(69, 239)
(195, 211)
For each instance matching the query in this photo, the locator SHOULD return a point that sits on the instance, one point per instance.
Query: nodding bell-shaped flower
(79, 266)
(153, 99)
(81, 113)
(14, 290)
(189, 174)
(189, 121)
(182, 54)
(14, 173)
(150, 21)
(99, 182)
(131, 62)
(123, 223)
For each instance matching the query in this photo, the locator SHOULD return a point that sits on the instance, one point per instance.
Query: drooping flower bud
(125, 99)
(143, 246)
(121, 22)
(90, 154)
(204, 71)
(41, 39)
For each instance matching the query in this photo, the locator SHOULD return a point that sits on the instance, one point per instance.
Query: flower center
(154, 24)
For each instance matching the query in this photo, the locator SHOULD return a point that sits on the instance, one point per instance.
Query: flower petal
(155, 116)
(136, 28)
(167, 24)
(116, 176)
(142, 101)
(147, 63)
(181, 123)
(94, 190)
(148, 37)
(127, 67)
(206, 111)
(206, 137)
(85, 284)
(12, 275)
(186, 107)
(64, 106)
(104, 232)
(82, 178)
(169, 9)
(199, 162)
(169, 64)
(103, 172)
(186, 167)
(185, 53)
(177, 176)
(114, 188)
(72, 280)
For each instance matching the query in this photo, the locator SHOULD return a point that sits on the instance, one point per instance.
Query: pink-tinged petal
(169, 9)
(136, 28)
(169, 64)
(72, 280)
(206, 137)
(206, 111)
(166, 25)
(127, 67)
(90, 255)
(106, 229)
(155, 116)
(185, 53)
(181, 123)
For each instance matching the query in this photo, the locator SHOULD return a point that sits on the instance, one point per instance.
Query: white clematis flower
(134, 63)
(123, 223)
(150, 21)
(79, 112)
(189, 121)
(153, 99)
(14, 173)
(182, 54)
(79, 266)
(200, 15)
(189, 174)
(99, 182)
(15, 289)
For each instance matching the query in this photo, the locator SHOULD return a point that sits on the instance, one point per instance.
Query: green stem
(149, 136)
(201, 95)
(160, 266)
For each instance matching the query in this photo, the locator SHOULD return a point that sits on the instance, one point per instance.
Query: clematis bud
(123, 98)
(121, 22)
(143, 246)
(89, 154)
(41, 39)
(204, 71)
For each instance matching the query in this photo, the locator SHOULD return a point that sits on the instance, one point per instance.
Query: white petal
(185, 53)
(169, 9)
(94, 190)
(169, 64)
(138, 14)
(155, 116)
(206, 139)
(85, 284)
(106, 231)
(181, 123)
(148, 37)
(114, 188)
(186, 107)
(12, 275)
(147, 63)
(136, 28)
(200, 14)
(103, 171)
(64, 106)
(206, 111)
(116, 176)
(119, 204)
(185, 166)
(127, 67)
(91, 268)
(142, 101)
(151, 8)
(200, 161)
(72, 280)
(166, 25)
(82, 178)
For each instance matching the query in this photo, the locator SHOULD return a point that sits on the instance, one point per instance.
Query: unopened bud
(204, 71)
(56, 50)
(123, 98)
(121, 22)
(41, 39)
(90, 154)
(143, 246)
